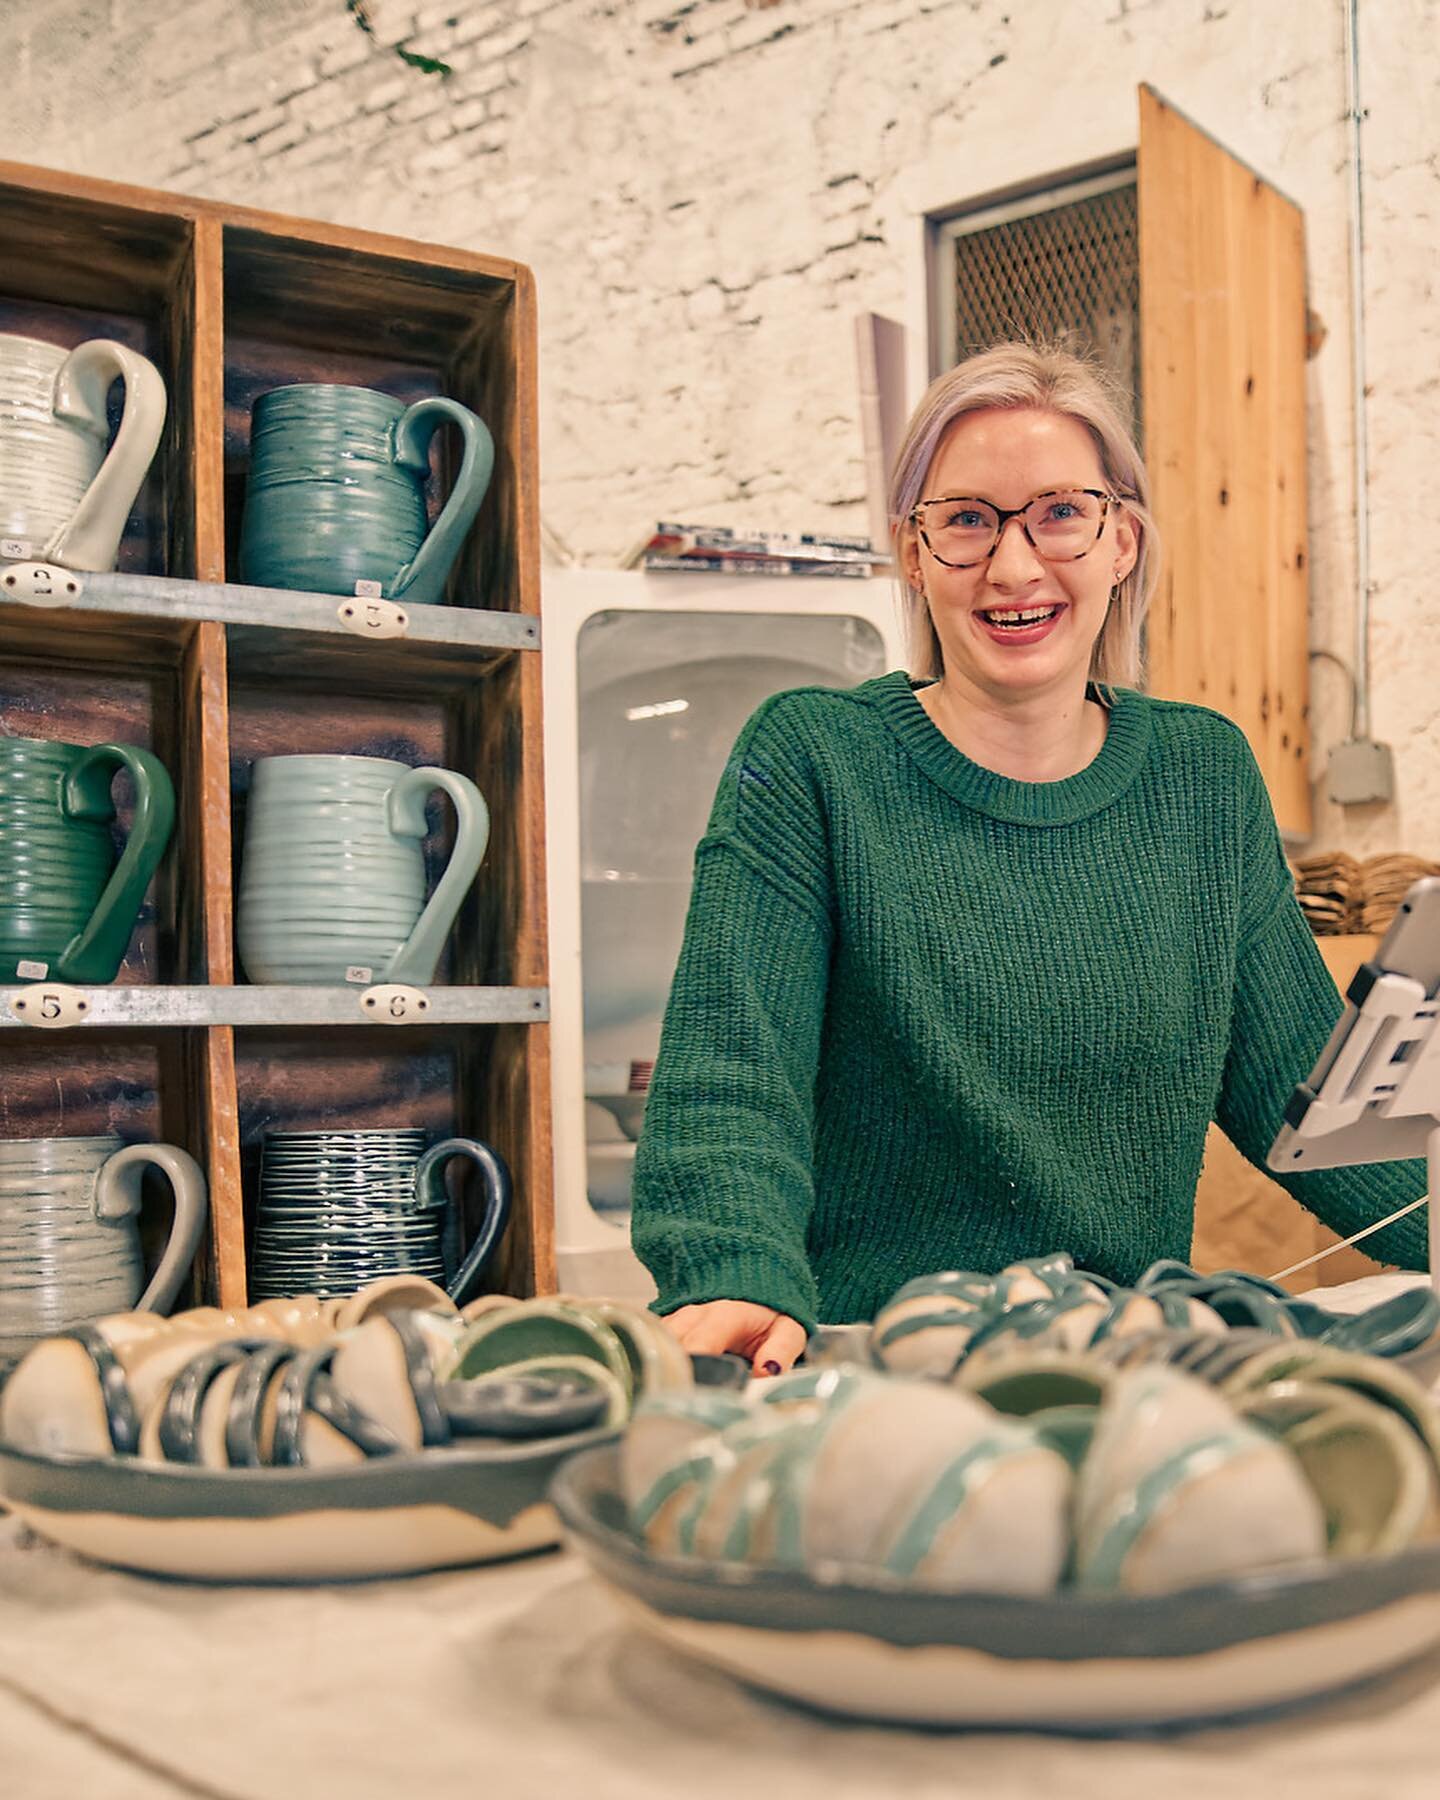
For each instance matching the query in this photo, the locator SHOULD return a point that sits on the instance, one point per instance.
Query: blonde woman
(976, 954)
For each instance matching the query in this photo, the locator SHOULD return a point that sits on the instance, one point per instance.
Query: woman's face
(1007, 456)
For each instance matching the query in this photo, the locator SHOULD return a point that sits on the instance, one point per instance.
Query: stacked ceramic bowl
(339, 1209)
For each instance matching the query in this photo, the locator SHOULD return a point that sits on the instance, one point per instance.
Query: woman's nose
(1013, 562)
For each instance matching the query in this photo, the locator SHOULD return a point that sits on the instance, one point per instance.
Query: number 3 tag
(392, 1003)
(369, 618)
(50, 1005)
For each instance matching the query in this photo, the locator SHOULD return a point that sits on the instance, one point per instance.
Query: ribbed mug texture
(59, 1263)
(46, 463)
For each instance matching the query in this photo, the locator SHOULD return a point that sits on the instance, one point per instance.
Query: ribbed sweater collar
(1097, 785)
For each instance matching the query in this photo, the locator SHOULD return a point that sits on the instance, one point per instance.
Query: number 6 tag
(392, 1003)
(49, 1004)
(373, 618)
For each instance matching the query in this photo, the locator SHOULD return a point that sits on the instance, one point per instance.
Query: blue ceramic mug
(336, 492)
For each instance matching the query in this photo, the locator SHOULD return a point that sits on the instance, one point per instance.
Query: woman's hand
(772, 1340)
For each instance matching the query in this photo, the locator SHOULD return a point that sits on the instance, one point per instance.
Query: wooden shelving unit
(168, 654)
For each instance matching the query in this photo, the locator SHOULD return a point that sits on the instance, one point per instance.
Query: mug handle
(430, 1191)
(117, 1196)
(421, 579)
(95, 954)
(416, 958)
(90, 538)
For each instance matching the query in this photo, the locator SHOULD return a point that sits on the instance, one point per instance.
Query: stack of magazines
(755, 552)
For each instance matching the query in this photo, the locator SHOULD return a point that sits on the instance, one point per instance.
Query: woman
(972, 960)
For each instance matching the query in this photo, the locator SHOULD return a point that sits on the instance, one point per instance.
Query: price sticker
(38, 584)
(359, 974)
(373, 618)
(15, 549)
(392, 1003)
(32, 971)
(51, 1005)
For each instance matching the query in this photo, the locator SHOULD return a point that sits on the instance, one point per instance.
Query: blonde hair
(1053, 378)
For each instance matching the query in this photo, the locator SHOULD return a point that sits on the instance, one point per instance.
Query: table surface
(528, 1679)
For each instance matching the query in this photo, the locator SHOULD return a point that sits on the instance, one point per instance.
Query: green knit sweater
(930, 1017)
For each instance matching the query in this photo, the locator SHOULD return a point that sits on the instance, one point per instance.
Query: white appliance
(648, 679)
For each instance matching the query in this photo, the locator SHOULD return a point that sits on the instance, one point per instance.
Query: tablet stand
(1379, 1100)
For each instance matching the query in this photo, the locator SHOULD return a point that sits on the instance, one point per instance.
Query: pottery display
(304, 1439)
(1079, 1543)
(66, 902)
(69, 1244)
(332, 874)
(936, 1322)
(845, 1469)
(873, 1648)
(338, 1210)
(336, 492)
(65, 497)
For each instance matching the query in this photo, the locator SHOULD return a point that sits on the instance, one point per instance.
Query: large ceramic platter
(392, 1515)
(1070, 1662)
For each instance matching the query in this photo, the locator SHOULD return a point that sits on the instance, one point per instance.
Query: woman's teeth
(1033, 616)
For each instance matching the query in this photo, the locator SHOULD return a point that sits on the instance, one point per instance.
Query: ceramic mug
(64, 899)
(69, 1245)
(336, 491)
(62, 495)
(333, 876)
(340, 1210)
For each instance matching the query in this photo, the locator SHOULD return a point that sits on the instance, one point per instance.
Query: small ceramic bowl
(1368, 1468)
(1148, 1416)
(1228, 1503)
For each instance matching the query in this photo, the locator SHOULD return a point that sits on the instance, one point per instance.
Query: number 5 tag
(392, 1003)
(49, 1004)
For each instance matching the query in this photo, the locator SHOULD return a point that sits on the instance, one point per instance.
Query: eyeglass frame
(1006, 514)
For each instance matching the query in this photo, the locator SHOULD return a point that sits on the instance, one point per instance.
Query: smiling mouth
(1011, 619)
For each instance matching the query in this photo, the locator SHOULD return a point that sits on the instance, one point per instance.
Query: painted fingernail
(770, 1368)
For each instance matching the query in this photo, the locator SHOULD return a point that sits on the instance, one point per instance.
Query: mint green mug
(65, 900)
(332, 873)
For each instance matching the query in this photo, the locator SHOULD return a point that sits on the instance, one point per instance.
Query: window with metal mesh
(1064, 265)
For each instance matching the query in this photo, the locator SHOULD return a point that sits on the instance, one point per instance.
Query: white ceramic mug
(63, 498)
(69, 1243)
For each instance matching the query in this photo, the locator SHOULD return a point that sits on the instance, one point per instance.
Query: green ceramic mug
(65, 900)
(336, 491)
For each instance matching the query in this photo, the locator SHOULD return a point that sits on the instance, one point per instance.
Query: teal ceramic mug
(336, 491)
(333, 876)
(65, 900)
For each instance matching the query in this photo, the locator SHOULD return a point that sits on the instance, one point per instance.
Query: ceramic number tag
(392, 1003)
(50, 1004)
(38, 584)
(373, 618)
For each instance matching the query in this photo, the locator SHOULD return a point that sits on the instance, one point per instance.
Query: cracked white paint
(708, 191)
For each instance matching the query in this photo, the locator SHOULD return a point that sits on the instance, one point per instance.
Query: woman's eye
(966, 518)
(1062, 511)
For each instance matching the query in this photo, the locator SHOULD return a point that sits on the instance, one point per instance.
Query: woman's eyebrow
(1054, 487)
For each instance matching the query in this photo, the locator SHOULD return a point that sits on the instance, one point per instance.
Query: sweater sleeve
(724, 1172)
(1284, 1008)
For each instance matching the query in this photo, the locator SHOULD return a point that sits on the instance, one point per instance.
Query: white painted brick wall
(709, 190)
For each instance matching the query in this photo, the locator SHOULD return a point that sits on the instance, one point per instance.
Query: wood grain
(1222, 282)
